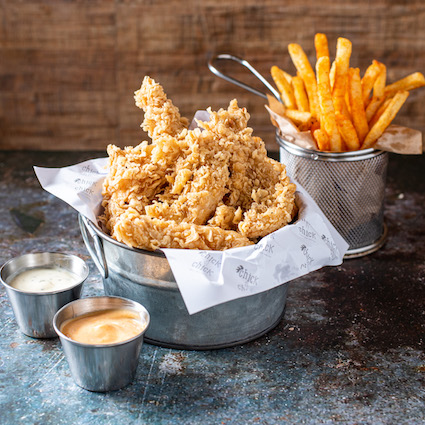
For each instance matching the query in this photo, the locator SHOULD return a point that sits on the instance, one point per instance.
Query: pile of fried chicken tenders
(211, 188)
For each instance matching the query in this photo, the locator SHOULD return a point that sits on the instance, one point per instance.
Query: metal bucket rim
(359, 155)
(170, 285)
(103, 235)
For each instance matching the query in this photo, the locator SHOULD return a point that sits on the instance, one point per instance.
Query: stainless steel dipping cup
(34, 311)
(101, 367)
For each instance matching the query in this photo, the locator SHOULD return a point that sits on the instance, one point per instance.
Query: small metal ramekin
(34, 311)
(101, 367)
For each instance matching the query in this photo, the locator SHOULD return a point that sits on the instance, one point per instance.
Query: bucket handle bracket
(96, 251)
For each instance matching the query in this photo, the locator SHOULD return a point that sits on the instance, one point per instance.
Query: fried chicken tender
(197, 186)
(161, 116)
(209, 188)
(152, 233)
(136, 175)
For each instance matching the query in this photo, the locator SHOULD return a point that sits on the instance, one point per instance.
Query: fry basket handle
(232, 80)
(96, 252)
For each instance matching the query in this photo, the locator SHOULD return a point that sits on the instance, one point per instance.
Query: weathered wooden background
(68, 69)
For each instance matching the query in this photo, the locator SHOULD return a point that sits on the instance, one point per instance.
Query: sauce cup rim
(140, 308)
(44, 293)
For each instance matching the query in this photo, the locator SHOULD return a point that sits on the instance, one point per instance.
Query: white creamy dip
(44, 279)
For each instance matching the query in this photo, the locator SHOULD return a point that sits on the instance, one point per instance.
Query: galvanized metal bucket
(349, 188)
(146, 277)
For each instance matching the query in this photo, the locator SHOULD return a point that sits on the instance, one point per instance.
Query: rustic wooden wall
(68, 69)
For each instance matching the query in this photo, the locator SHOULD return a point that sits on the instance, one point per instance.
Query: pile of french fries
(342, 110)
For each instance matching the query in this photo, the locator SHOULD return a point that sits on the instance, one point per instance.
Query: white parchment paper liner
(208, 278)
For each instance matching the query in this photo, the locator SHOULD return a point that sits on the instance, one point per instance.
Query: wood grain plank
(68, 69)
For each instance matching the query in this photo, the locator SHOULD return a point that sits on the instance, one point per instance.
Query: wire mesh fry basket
(349, 187)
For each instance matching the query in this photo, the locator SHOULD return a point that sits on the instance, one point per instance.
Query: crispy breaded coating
(161, 116)
(136, 175)
(209, 188)
(152, 233)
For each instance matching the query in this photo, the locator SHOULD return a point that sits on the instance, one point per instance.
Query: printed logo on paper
(332, 247)
(267, 248)
(306, 230)
(249, 280)
(308, 258)
(208, 265)
(86, 186)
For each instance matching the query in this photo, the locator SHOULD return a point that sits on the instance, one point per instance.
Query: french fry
(332, 74)
(300, 60)
(285, 89)
(412, 81)
(379, 112)
(358, 113)
(385, 119)
(321, 45)
(345, 109)
(341, 110)
(373, 107)
(380, 82)
(300, 94)
(368, 80)
(299, 117)
(314, 126)
(322, 139)
(347, 99)
(378, 94)
(288, 76)
(347, 131)
(342, 63)
(307, 125)
(327, 111)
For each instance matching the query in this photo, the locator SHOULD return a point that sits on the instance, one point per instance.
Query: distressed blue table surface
(350, 348)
